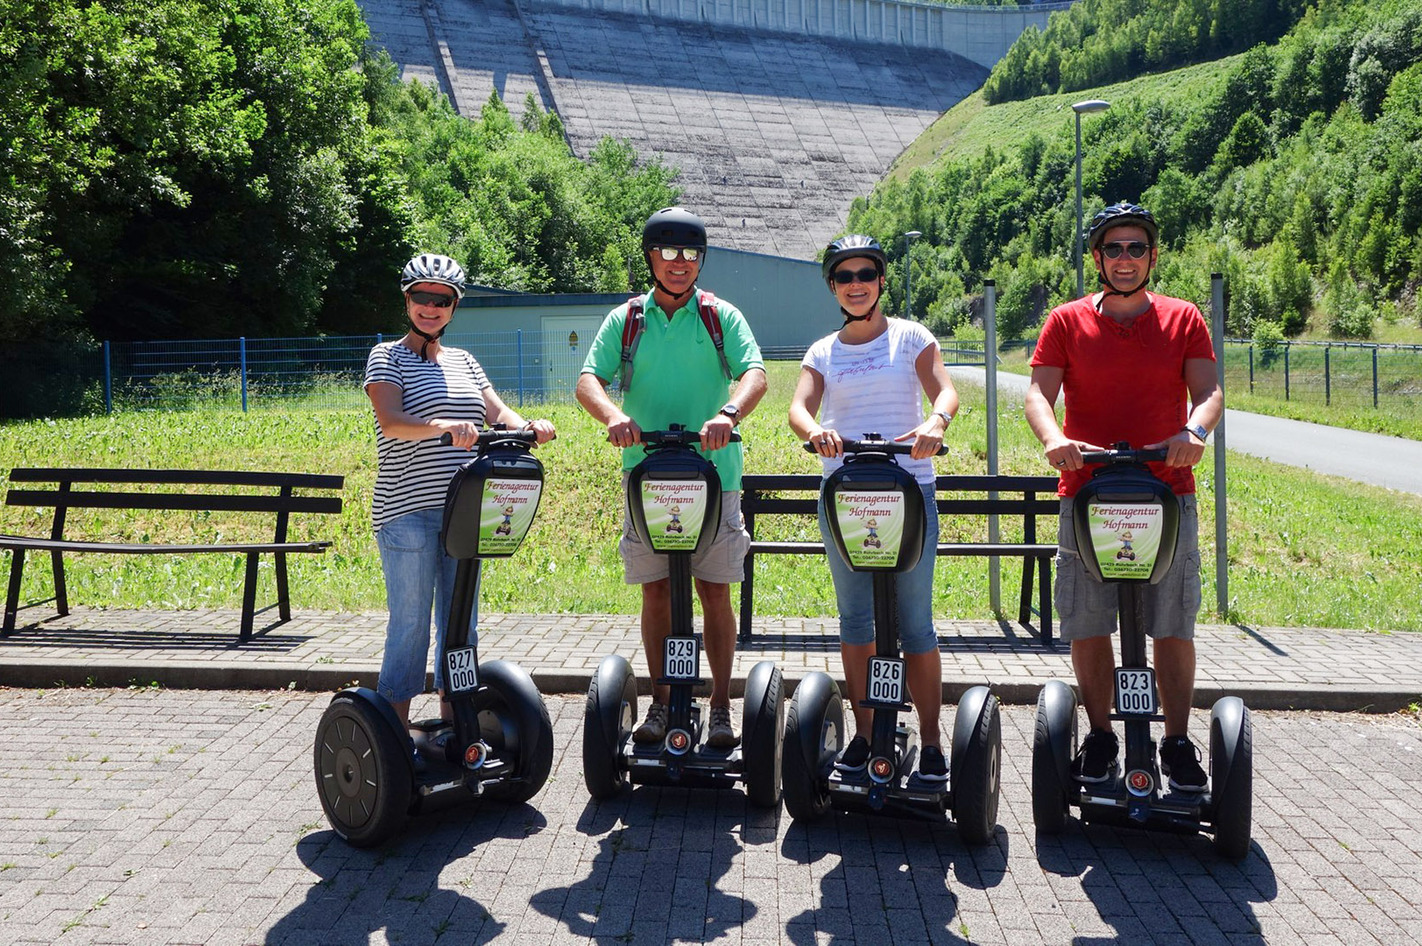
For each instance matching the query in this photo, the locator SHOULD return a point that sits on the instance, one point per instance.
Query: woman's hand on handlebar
(826, 442)
(927, 440)
(462, 433)
(1182, 449)
(622, 431)
(543, 429)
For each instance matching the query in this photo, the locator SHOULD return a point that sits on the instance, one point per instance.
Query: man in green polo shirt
(681, 377)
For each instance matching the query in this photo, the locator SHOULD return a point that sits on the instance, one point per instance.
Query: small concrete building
(533, 345)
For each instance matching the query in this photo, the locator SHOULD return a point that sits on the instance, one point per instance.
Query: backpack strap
(632, 328)
(711, 318)
(636, 323)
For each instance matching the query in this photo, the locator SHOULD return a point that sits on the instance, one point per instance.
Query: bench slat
(89, 499)
(196, 477)
(136, 548)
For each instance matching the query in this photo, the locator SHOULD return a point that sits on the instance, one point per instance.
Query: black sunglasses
(846, 276)
(437, 299)
(1134, 249)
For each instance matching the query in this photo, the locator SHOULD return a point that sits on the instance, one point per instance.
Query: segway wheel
(1232, 776)
(607, 725)
(363, 777)
(1053, 746)
(762, 734)
(976, 765)
(814, 729)
(513, 720)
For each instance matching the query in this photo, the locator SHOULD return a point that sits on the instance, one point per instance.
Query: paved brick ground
(146, 816)
(1272, 668)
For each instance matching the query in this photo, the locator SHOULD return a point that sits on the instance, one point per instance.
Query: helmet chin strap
(428, 338)
(1111, 289)
(860, 318)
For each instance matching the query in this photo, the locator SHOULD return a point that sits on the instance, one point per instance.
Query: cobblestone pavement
(154, 816)
(1272, 668)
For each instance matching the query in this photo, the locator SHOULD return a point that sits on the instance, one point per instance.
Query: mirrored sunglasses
(437, 299)
(1134, 249)
(846, 276)
(688, 253)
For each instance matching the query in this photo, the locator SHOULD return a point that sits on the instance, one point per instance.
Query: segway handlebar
(677, 436)
(874, 444)
(494, 435)
(1122, 454)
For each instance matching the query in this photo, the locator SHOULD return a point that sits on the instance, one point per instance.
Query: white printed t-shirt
(873, 388)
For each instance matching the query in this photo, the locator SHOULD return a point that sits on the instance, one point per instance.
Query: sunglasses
(846, 276)
(669, 253)
(1135, 250)
(437, 299)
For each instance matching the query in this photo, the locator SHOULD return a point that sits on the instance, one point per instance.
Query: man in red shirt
(1137, 367)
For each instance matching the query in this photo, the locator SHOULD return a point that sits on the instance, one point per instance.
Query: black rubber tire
(607, 722)
(762, 734)
(1232, 777)
(815, 711)
(978, 775)
(363, 777)
(514, 719)
(1053, 746)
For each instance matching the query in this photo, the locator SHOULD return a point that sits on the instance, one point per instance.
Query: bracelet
(947, 417)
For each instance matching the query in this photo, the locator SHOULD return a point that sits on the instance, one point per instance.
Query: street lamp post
(909, 237)
(1081, 108)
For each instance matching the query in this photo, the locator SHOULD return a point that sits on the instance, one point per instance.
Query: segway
(674, 502)
(502, 740)
(1125, 497)
(871, 488)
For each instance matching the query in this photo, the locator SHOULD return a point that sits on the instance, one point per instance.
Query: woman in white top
(871, 377)
(420, 390)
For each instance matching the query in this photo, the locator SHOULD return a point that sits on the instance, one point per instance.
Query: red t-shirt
(1124, 383)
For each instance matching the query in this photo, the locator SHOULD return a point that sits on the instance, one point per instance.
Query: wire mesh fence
(326, 372)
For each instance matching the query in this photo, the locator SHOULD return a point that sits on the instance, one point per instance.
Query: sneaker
(1097, 758)
(1180, 762)
(720, 735)
(932, 767)
(654, 725)
(855, 757)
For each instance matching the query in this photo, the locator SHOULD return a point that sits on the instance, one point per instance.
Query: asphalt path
(1391, 462)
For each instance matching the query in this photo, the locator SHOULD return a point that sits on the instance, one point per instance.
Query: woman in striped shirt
(421, 390)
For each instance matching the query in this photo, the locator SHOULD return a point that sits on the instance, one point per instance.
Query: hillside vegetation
(1294, 168)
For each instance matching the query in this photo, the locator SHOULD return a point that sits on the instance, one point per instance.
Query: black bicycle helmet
(673, 226)
(432, 267)
(848, 247)
(1122, 214)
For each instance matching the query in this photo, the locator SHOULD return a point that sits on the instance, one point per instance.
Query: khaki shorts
(722, 563)
(1087, 607)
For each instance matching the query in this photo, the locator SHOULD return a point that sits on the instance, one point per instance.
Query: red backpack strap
(632, 328)
(711, 318)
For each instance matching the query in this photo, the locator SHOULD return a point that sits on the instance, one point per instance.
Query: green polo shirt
(676, 376)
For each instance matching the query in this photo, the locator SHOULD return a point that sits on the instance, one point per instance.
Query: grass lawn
(1304, 549)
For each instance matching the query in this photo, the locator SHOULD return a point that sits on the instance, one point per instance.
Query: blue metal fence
(326, 372)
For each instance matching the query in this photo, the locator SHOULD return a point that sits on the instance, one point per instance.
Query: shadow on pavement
(396, 887)
(1147, 885)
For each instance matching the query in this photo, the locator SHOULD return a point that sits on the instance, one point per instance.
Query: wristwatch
(947, 417)
(1199, 431)
(731, 411)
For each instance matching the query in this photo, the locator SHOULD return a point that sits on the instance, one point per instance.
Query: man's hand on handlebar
(623, 431)
(1184, 449)
(716, 432)
(1066, 454)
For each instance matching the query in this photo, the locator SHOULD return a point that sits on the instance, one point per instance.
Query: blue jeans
(418, 575)
(854, 591)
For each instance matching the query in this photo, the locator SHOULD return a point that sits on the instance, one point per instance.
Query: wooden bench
(272, 493)
(1031, 496)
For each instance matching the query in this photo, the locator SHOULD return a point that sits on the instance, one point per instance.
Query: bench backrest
(62, 496)
(763, 494)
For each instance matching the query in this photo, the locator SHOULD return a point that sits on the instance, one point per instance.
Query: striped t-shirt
(415, 474)
(873, 388)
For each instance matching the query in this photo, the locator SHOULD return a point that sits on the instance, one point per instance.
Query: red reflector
(882, 768)
(474, 754)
